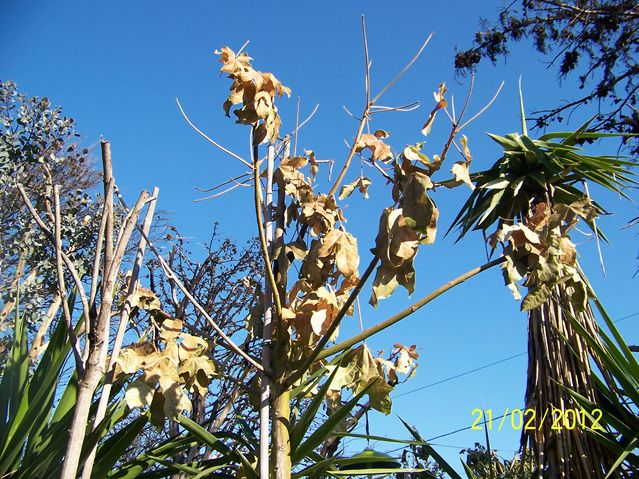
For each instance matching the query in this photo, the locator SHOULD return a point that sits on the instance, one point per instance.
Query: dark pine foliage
(596, 41)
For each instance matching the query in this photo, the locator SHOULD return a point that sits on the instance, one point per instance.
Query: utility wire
(454, 432)
(482, 367)
(495, 363)
(458, 375)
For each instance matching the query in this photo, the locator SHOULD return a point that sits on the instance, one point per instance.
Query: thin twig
(408, 107)
(213, 142)
(308, 118)
(483, 109)
(97, 259)
(67, 261)
(452, 107)
(243, 47)
(216, 187)
(368, 64)
(350, 114)
(468, 97)
(297, 126)
(171, 276)
(404, 70)
(62, 290)
(215, 195)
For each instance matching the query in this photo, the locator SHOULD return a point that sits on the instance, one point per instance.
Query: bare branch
(404, 70)
(62, 290)
(260, 229)
(170, 274)
(408, 311)
(119, 337)
(484, 108)
(213, 142)
(67, 261)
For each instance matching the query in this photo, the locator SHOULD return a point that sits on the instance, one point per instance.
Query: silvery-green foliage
(36, 137)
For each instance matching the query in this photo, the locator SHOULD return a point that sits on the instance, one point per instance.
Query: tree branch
(171, 276)
(62, 290)
(408, 311)
(298, 372)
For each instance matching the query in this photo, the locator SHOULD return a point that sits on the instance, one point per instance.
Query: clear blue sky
(117, 67)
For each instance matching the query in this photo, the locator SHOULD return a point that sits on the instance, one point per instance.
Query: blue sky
(117, 69)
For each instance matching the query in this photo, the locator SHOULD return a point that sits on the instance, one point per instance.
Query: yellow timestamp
(530, 420)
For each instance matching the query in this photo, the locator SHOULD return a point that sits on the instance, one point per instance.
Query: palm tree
(535, 193)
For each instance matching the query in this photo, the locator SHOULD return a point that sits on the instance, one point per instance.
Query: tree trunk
(281, 438)
(558, 356)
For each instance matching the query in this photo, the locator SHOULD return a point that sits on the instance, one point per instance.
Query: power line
(455, 431)
(464, 374)
(483, 367)
(459, 375)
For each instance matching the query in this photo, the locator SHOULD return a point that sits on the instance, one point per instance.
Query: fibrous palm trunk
(559, 358)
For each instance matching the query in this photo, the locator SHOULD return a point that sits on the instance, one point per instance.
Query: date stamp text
(530, 420)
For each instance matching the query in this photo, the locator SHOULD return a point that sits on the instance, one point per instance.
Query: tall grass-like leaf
(143, 461)
(618, 401)
(35, 398)
(113, 448)
(325, 430)
(14, 379)
(431, 452)
(303, 424)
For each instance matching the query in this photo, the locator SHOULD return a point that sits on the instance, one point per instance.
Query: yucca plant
(616, 406)
(36, 409)
(535, 193)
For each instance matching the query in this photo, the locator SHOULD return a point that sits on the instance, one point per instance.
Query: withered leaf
(568, 251)
(396, 245)
(347, 257)
(535, 298)
(297, 248)
(137, 356)
(462, 175)
(231, 62)
(359, 369)
(192, 346)
(441, 103)
(384, 284)
(318, 318)
(170, 329)
(380, 150)
(464, 143)
(362, 183)
(196, 372)
(138, 394)
(413, 153)
(142, 298)
(579, 295)
(419, 210)
(256, 92)
(313, 161)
